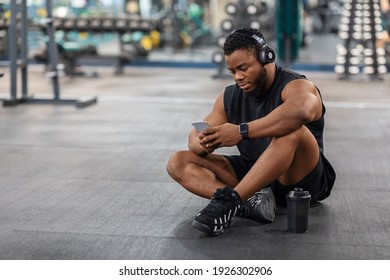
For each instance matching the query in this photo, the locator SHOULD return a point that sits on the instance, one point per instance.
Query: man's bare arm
(301, 104)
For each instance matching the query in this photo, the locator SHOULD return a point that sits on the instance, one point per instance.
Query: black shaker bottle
(298, 204)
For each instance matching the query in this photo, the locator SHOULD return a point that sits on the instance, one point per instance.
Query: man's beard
(260, 81)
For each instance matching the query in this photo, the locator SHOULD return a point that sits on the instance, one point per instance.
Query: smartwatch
(244, 131)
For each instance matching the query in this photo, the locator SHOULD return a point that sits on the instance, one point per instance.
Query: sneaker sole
(269, 212)
(267, 215)
(205, 229)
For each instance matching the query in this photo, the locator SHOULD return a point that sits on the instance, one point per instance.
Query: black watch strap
(244, 131)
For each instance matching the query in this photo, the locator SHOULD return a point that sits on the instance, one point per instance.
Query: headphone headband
(248, 33)
(260, 40)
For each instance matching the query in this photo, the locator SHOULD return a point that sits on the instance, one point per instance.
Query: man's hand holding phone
(211, 138)
(201, 126)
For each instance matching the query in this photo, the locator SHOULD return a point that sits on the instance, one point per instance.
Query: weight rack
(360, 27)
(18, 51)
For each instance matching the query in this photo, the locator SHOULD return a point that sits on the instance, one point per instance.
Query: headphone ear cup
(266, 55)
(271, 55)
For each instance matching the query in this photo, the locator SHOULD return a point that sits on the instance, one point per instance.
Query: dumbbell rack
(96, 25)
(359, 56)
(18, 51)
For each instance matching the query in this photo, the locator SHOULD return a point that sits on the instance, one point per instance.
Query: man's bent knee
(305, 154)
(177, 163)
(174, 164)
(293, 136)
(296, 138)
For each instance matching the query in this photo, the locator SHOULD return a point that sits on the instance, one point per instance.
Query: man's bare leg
(289, 159)
(201, 175)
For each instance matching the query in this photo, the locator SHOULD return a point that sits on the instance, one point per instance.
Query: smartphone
(200, 125)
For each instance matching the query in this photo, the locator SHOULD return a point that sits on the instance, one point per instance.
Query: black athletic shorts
(319, 182)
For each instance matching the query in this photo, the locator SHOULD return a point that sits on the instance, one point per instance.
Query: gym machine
(18, 50)
(98, 25)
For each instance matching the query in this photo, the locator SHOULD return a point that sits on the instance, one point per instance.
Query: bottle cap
(298, 194)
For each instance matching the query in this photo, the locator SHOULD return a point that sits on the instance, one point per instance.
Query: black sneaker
(219, 213)
(260, 207)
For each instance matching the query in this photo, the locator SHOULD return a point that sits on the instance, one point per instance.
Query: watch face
(244, 130)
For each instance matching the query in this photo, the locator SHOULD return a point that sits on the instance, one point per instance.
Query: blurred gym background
(123, 32)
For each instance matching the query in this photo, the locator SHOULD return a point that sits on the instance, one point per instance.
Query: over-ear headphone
(266, 54)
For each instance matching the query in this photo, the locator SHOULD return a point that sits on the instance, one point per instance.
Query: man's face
(246, 70)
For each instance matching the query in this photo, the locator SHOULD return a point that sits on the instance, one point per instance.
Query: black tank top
(242, 107)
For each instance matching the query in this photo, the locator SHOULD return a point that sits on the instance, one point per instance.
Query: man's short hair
(242, 41)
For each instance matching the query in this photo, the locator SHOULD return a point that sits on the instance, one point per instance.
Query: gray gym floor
(91, 183)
